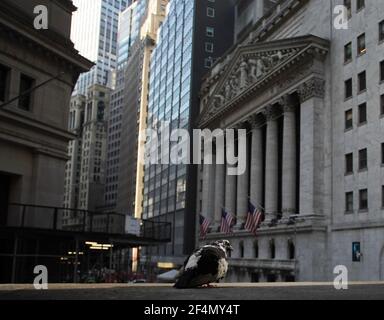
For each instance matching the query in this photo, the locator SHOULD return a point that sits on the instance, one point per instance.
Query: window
(382, 70)
(208, 62)
(363, 199)
(272, 249)
(348, 52)
(209, 47)
(210, 32)
(360, 4)
(349, 163)
(382, 196)
(381, 31)
(363, 159)
(362, 113)
(349, 202)
(382, 154)
(348, 6)
(291, 250)
(241, 249)
(26, 84)
(356, 252)
(348, 89)
(4, 78)
(361, 49)
(382, 104)
(210, 12)
(348, 119)
(362, 81)
(256, 249)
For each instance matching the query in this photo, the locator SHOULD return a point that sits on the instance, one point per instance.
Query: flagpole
(258, 204)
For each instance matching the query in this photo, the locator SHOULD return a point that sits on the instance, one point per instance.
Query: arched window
(241, 249)
(256, 249)
(272, 249)
(291, 250)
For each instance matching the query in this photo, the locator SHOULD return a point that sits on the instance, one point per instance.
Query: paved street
(302, 291)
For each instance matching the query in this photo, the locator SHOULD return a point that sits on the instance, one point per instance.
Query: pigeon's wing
(201, 268)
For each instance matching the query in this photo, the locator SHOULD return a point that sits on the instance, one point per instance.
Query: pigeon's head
(224, 244)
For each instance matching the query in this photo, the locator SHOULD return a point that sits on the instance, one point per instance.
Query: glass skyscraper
(187, 46)
(94, 33)
(130, 22)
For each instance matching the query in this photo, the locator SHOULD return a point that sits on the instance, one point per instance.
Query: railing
(76, 220)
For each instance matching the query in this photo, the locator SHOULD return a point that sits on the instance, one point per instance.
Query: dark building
(193, 36)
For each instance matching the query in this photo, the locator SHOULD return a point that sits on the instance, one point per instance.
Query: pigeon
(206, 265)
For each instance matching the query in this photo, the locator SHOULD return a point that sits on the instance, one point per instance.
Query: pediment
(254, 65)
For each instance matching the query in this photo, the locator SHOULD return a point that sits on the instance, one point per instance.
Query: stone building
(310, 95)
(85, 171)
(33, 128)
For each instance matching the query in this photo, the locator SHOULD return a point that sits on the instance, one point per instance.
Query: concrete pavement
(236, 292)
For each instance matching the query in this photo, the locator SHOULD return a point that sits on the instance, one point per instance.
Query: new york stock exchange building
(311, 96)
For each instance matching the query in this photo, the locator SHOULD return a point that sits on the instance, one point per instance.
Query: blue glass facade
(129, 29)
(194, 34)
(169, 100)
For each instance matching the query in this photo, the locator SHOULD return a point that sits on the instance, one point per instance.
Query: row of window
(360, 4)
(362, 114)
(361, 44)
(26, 83)
(361, 82)
(362, 160)
(363, 201)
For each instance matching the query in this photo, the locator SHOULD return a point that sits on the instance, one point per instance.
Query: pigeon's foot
(209, 286)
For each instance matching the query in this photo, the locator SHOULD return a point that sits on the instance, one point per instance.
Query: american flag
(254, 219)
(204, 226)
(227, 222)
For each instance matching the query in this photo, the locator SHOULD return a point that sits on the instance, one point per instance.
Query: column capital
(256, 121)
(269, 112)
(240, 125)
(288, 103)
(313, 88)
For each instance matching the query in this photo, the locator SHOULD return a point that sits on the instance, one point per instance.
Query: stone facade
(285, 84)
(33, 129)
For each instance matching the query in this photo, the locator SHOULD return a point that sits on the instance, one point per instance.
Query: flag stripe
(254, 218)
(204, 226)
(227, 221)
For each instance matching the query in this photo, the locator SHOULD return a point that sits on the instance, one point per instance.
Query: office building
(193, 35)
(94, 33)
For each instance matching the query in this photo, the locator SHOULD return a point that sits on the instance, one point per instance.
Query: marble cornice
(18, 27)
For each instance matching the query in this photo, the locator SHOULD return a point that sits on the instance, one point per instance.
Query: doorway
(5, 182)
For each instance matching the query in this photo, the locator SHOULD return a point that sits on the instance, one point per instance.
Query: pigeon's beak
(230, 248)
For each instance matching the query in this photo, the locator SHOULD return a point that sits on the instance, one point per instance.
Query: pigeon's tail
(184, 281)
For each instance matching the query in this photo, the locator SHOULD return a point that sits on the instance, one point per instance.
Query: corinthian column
(242, 188)
(271, 165)
(230, 185)
(257, 154)
(289, 156)
(219, 189)
(208, 190)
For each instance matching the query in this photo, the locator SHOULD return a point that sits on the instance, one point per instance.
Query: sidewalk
(236, 292)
